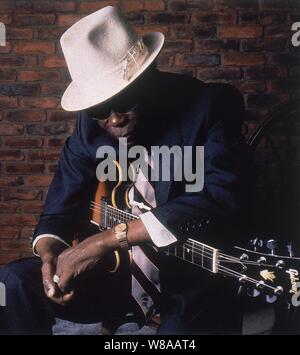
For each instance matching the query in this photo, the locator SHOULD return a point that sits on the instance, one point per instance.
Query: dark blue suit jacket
(180, 111)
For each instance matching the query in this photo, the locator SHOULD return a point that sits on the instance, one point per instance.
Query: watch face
(119, 228)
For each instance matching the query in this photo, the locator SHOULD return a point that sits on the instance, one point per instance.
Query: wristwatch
(121, 234)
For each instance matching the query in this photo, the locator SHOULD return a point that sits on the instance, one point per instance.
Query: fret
(191, 251)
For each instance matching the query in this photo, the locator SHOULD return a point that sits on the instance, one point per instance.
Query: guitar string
(221, 268)
(228, 258)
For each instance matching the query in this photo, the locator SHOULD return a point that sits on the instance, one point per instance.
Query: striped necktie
(145, 266)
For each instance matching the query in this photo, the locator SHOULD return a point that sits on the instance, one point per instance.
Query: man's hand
(49, 249)
(85, 256)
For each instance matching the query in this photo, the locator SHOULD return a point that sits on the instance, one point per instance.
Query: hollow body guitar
(259, 268)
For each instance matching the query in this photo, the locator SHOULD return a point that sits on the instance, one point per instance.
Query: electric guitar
(259, 267)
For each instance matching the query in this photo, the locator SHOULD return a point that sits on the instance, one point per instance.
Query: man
(118, 92)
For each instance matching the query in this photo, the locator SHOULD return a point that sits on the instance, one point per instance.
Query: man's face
(120, 116)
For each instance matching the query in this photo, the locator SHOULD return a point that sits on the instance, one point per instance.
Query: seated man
(119, 93)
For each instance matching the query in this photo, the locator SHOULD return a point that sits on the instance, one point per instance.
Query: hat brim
(77, 97)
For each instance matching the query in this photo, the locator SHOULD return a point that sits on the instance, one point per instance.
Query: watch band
(121, 235)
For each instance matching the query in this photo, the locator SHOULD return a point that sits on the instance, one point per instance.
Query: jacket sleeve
(218, 213)
(66, 208)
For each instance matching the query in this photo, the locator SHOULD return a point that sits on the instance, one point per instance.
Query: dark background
(243, 42)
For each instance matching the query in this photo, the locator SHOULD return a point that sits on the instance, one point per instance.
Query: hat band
(124, 69)
(134, 58)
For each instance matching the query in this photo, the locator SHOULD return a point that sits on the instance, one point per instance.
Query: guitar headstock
(267, 269)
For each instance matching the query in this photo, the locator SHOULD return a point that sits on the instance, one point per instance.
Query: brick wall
(244, 42)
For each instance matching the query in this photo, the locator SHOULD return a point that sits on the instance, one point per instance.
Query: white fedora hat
(104, 55)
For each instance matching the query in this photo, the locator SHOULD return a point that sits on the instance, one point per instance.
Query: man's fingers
(49, 286)
(65, 281)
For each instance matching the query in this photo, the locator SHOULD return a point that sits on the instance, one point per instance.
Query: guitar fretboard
(191, 251)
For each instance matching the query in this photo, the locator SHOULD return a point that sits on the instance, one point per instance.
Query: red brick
(30, 75)
(23, 143)
(68, 20)
(10, 232)
(8, 207)
(54, 6)
(8, 74)
(15, 245)
(34, 47)
(154, 5)
(10, 181)
(22, 195)
(26, 232)
(34, 20)
(17, 61)
(6, 19)
(183, 5)
(39, 102)
(240, 31)
(151, 28)
(214, 45)
(168, 18)
(53, 62)
(25, 168)
(56, 116)
(15, 6)
(133, 5)
(257, 86)
(55, 142)
(243, 59)
(187, 59)
(25, 116)
(219, 73)
(6, 49)
(52, 168)
(92, 6)
(36, 155)
(11, 155)
(11, 129)
(50, 32)
(17, 219)
(35, 208)
(53, 89)
(276, 5)
(165, 59)
(8, 102)
(215, 17)
(178, 46)
(38, 180)
(18, 33)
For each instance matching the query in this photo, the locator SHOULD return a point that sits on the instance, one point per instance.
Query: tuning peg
(256, 243)
(290, 249)
(272, 245)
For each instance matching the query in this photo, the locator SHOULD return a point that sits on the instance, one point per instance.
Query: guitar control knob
(280, 264)
(278, 291)
(272, 245)
(290, 249)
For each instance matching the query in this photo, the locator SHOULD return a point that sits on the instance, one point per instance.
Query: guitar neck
(191, 251)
